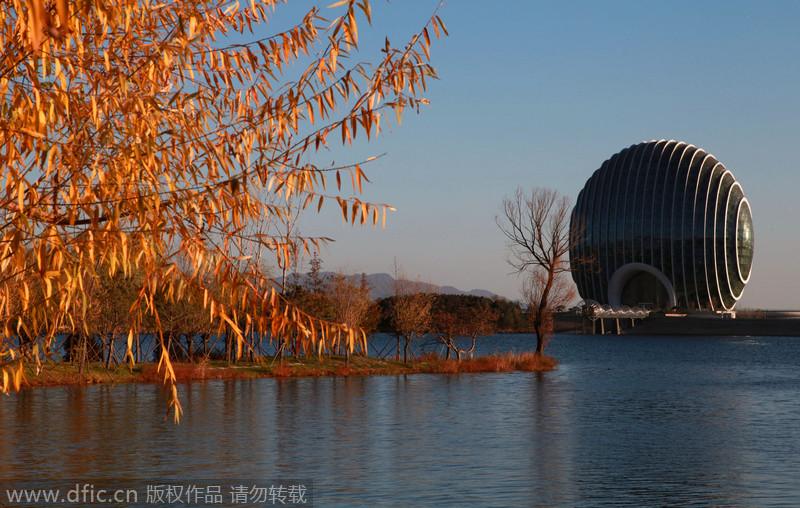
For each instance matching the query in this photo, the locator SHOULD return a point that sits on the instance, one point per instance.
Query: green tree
(510, 315)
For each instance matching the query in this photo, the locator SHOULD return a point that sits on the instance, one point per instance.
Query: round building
(662, 224)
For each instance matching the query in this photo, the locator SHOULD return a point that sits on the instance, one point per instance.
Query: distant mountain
(382, 285)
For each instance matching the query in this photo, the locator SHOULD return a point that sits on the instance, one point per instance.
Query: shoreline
(65, 374)
(690, 325)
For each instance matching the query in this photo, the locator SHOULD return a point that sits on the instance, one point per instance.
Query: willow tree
(140, 135)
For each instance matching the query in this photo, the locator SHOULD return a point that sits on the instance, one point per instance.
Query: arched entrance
(638, 283)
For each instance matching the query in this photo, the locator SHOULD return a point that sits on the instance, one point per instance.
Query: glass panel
(700, 273)
(709, 243)
(723, 266)
(621, 182)
(655, 217)
(645, 290)
(730, 241)
(677, 233)
(664, 243)
(744, 241)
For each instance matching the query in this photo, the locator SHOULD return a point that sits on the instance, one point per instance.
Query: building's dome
(665, 224)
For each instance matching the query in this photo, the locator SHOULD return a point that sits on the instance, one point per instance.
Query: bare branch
(539, 239)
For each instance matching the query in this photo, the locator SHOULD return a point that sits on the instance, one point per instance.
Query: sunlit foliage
(141, 136)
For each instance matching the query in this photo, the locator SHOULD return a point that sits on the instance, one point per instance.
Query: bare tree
(465, 321)
(114, 297)
(537, 229)
(562, 291)
(349, 303)
(409, 310)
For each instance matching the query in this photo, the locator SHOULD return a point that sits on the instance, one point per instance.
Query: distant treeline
(101, 332)
(412, 314)
(501, 315)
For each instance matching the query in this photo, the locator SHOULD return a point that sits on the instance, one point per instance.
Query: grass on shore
(63, 373)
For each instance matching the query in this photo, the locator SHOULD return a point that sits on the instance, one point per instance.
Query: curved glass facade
(662, 223)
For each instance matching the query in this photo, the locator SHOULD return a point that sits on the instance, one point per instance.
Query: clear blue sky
(540, 94)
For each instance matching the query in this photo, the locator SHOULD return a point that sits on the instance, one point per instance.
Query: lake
(624, 421)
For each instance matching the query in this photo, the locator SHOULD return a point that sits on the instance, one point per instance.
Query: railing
(594, 311)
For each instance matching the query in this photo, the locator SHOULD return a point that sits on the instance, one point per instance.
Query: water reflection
(623, 422)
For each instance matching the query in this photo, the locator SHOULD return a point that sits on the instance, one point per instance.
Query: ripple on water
(622, 422)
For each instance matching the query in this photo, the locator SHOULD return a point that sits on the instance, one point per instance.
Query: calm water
(624, 421)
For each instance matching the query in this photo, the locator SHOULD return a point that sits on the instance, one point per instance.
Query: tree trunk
(81, 352)
(540, 321)
(538, 328)
(110, 351)
(190, 345)
(156, 349)
(69, 349)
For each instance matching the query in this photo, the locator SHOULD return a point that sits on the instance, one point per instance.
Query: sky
(541, 93)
